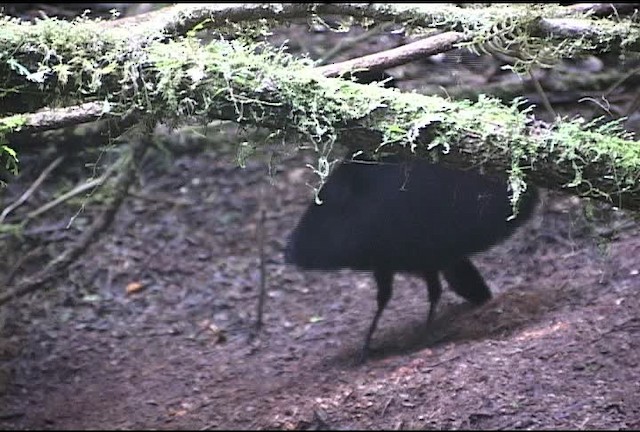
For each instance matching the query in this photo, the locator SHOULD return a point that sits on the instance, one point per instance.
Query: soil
(151, 328)
(556, 348)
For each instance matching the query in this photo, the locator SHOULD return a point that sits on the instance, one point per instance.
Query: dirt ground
(557, 347)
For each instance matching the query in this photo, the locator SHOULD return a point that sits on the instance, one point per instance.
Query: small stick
(263, 272)
(75, 191)
(36, 184)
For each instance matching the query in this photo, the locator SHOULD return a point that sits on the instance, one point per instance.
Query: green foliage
(8, 161)
(580, 145)
(64, 61)
(8, 156)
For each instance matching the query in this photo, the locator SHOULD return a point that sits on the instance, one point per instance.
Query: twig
(629, 74)
(320, 422)
(75, 191)
(386, 405)
(25, 196)
(55, 118)
(543, 95)
(594, 82)
(633, 106)
(210, 426)
(61, 262)
(434, 365)
(11, 415)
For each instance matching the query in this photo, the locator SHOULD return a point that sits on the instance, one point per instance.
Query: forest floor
(557, 347)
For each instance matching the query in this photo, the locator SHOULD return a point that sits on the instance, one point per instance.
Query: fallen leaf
(134, 287)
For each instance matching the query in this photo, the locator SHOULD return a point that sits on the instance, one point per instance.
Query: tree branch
(172, 80)
(397, 56)
(35, 185)
(55, 118)
(593, 31)
(181, 18)
(603, 9)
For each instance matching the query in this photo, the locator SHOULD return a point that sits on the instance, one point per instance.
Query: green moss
(605, 144)
(78, 53)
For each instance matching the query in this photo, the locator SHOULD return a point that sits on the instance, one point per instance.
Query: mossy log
(112, 71)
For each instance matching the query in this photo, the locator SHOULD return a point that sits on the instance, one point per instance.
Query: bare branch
(55, 118)
(25, 196)
(48, 118)
(397, 56)
(84, 186)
